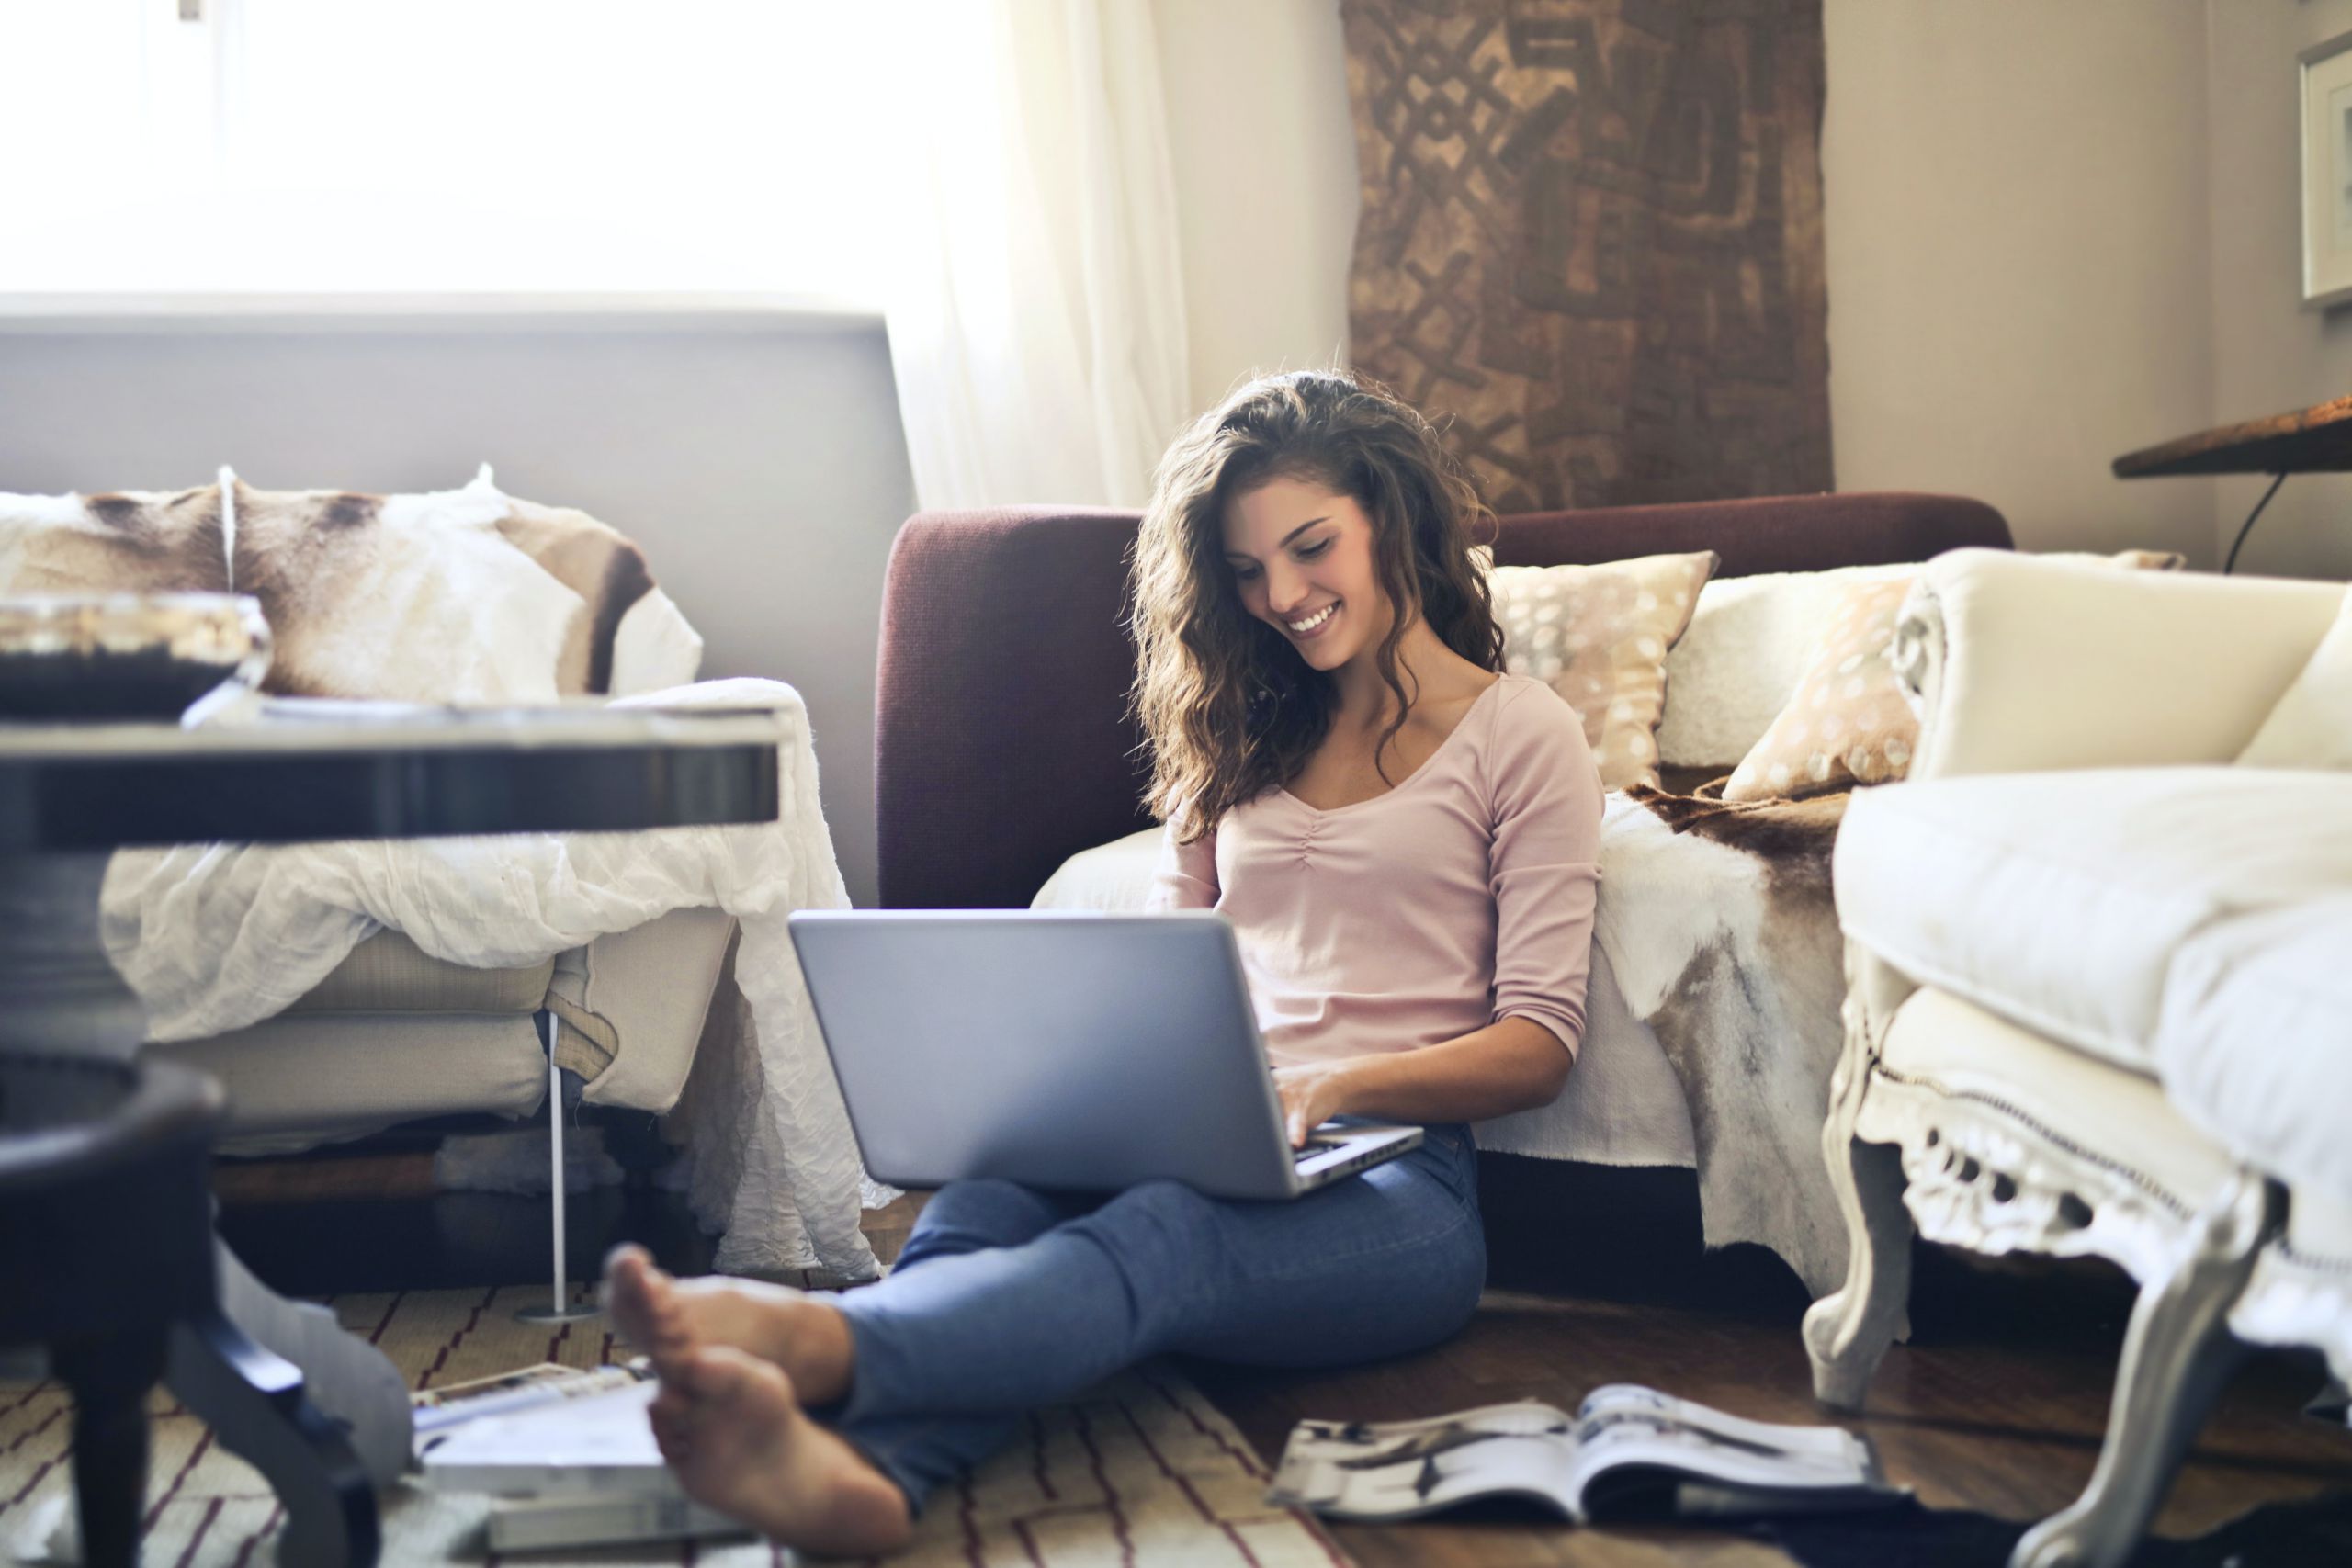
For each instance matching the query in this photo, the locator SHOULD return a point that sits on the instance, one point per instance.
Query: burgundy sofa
(1001, 742)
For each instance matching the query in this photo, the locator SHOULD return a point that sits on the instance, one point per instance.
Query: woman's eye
(1245, 573)
(1310, 551)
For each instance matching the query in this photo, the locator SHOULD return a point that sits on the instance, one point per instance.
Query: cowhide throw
(1718, 922)
(465, 595)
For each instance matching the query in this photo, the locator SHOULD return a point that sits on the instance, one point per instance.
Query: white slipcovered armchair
(2100, 989)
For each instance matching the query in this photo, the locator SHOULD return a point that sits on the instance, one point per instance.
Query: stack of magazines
(566, 1454)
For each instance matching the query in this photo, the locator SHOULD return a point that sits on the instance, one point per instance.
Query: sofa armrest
(2020, 665)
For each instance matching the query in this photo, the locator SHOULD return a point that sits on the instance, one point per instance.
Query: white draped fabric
(1035, 301)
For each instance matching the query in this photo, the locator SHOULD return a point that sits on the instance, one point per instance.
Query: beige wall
(2269, 355)
(2017, 235)
(1265, 167)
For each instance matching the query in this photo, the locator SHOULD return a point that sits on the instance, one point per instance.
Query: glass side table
(281, 1385)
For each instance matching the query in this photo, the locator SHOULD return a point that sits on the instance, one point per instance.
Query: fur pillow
(2311, 725)
(1849, 721)
(1598, 636)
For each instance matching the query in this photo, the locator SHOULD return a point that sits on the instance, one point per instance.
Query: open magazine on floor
(1627, 1451)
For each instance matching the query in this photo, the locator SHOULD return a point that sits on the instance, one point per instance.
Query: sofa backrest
(1002, 740)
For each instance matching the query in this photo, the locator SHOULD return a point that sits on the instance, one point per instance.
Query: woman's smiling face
(1302, 561)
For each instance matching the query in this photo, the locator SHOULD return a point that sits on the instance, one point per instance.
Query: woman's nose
(1285, 589)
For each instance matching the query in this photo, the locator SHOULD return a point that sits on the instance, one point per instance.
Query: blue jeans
(1006, 1298)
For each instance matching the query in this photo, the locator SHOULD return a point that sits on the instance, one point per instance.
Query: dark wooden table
(257, 1367)
(2316, 440)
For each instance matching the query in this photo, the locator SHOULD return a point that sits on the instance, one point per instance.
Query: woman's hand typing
(1509, 1066)
(1312, 1094)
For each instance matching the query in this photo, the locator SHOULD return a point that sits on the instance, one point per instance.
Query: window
(441, 146)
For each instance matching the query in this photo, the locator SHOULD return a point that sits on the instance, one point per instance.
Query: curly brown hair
(1228, 708)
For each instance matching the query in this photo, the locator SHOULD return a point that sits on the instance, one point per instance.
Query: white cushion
(1748, 645)
(1114, 878)
(1730, 674)
(2255, 1043)
(2057, 900)
(2311, 726)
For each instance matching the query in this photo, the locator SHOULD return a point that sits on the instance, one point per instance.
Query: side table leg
(110, 1378)
(252, 1400)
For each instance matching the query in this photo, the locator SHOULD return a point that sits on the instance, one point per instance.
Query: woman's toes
(643, 1302)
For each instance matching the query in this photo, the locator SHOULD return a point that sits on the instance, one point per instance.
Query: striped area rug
(1144, 1470)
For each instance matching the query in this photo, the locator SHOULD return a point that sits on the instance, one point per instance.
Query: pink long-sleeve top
(1461, 897)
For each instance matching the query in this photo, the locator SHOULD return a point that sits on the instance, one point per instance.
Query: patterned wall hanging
(1592, 236)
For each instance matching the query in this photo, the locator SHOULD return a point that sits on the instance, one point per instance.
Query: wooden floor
(1998, 1405)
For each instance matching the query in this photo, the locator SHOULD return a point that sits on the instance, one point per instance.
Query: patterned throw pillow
(1848, 722)
(1598, 635)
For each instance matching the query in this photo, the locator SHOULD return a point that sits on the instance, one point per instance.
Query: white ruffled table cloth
(216, 937)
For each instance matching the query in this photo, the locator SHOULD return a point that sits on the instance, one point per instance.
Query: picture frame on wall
(2327, 71)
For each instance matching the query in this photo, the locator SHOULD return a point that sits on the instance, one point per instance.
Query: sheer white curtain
(1035, 293)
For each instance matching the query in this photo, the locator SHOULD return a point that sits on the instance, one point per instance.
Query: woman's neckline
(1427, 763)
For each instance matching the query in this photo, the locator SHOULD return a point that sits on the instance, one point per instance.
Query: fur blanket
(467, 595)
(1718, 922)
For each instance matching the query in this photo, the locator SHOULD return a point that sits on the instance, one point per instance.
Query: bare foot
(739, 1442)
(669, 1318)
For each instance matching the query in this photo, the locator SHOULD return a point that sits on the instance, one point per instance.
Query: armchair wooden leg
(1847, 1331)
(2178, 1353)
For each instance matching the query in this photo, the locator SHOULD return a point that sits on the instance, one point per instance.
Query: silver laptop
(1077, 1051)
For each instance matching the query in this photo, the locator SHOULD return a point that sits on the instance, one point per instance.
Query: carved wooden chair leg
(1846, 1332)
(2176, 1354)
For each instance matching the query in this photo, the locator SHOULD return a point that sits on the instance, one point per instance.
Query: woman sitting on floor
(1404, 839)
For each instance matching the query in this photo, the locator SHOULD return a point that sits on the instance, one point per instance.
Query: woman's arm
(1185, 877)
(1508, 1066)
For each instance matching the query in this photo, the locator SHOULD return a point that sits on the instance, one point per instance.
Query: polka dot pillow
(1597, 635)
(1848, 722)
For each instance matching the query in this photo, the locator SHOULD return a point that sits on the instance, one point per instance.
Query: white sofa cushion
(2311, 726)
(2057, 900)
(1748, 643)
(1113, 878)
(2254, 1042)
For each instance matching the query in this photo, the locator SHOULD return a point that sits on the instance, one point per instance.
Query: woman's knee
(966, 1217)
(1167, 1199)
